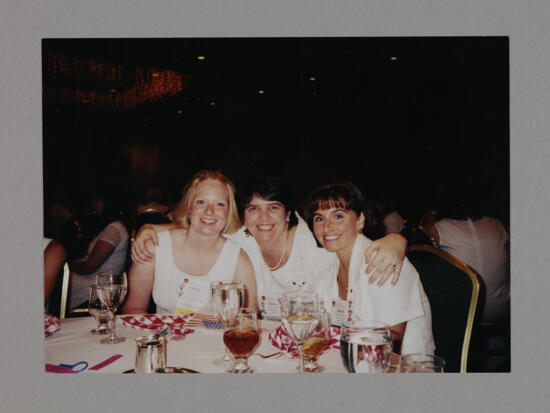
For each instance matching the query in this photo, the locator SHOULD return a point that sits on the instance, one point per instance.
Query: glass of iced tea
(317, 343)
(241, 338)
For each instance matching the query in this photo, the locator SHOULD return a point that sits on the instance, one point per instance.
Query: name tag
(269, 307)
(340, 311)
(193, 295)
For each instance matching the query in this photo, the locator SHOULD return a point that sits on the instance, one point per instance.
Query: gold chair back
(474, 278)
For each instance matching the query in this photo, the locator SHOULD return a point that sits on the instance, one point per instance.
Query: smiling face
(265, 220)
(337, 228)
(210, 207)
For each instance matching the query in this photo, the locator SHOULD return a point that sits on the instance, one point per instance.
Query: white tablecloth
(197, 351)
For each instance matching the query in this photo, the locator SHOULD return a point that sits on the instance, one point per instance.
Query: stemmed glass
(99, 311)
(112, 291)
(299, 317)
(421, 363)
(227, 300)
(241, 339)
(316, 345)
(366, 347)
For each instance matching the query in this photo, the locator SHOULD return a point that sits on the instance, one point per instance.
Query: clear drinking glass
(421, 363)
(316, 345)
(99, 311)
(227, 300)
(299, 318)
(241, 339)
(112, 291)
(366, 347)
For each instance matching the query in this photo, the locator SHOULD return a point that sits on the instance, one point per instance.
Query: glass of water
(421, 363)
(366, 347)
(99, 311)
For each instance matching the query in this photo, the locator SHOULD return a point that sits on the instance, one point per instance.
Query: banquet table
(200, 350)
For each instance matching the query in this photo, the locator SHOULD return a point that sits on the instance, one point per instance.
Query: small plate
(168, 370)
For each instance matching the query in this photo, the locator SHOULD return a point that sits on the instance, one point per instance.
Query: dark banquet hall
(417, 126)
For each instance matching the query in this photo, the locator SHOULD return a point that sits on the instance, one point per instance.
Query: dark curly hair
(270, 189)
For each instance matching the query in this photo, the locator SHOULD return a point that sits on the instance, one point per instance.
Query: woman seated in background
(342, 219)
(54, 259)
(106, 252)
(460, 227)
(192, 255)
(282, 248)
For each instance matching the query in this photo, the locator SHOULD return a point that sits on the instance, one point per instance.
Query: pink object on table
(280, 339)
(106, 362)
(51, 324)
(53, 368)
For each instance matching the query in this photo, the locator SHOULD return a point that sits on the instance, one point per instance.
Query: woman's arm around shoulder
(140, 286)
(385, 257)
(244, 274)
(143, 247)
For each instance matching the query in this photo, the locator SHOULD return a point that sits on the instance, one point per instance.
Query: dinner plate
(169, 370)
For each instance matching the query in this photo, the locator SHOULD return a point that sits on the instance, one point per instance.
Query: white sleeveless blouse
(170, 283)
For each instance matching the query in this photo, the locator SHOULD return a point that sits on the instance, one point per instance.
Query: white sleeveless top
(173, 288)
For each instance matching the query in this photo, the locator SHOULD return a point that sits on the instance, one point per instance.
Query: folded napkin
(51, 324)
(280, 339)
(153, 323)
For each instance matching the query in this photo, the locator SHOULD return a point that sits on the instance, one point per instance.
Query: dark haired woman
(342, 219)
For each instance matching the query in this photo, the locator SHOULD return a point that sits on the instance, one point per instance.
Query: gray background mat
(24, 387)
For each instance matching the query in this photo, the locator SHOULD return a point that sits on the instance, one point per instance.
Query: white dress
(115, 234)
(404, 302)
(482, 244)
(177, 292)
(307, 266)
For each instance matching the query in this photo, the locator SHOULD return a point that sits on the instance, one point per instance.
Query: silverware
(268, 356)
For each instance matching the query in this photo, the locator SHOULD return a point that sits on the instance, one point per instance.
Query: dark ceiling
(408, 115)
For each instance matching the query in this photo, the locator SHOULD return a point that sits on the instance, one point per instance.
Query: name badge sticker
(192, 295)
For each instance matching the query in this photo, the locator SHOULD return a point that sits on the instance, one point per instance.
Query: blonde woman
(194, 253)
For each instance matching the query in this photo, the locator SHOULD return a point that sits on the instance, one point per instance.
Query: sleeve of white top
(395, 304)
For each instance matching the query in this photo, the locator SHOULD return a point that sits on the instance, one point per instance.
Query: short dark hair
(347, 196)
(269, 188)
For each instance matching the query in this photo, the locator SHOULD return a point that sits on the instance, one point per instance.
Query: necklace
(280, 259)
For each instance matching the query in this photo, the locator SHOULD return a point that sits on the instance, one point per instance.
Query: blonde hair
(181, 213)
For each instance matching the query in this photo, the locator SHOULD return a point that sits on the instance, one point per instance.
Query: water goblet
(105, 277)
(299, 318)
(99, 311)
(241, 338)
(112, 292)
(421, 363)
(317, 343)
(366, 347)
(227, 300)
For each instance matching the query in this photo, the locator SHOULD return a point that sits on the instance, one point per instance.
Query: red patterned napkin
(280, 339)
(51, 324)
(154, 323)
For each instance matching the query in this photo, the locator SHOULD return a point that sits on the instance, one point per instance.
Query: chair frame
(475, 278)
(65, 294)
